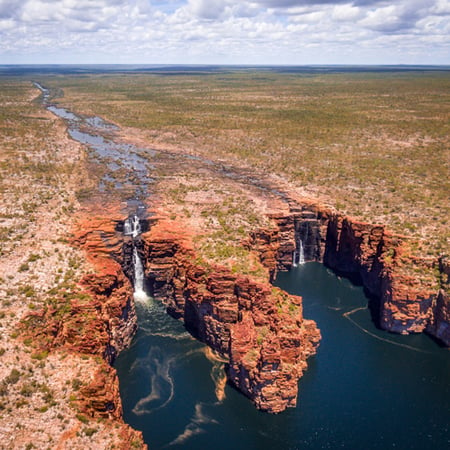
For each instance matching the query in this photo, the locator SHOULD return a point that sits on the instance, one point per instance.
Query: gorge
(254, 328)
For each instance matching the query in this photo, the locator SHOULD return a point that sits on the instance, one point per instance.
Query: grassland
(374, 145)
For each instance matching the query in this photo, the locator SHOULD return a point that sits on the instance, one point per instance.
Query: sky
(284, 32)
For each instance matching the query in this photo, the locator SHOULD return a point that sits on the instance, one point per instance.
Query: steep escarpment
(404, 286)
(99, 319)
(58, 334)
(439, 325)
(93, 319)
(259, 328)
(109, 288)
(406, 291)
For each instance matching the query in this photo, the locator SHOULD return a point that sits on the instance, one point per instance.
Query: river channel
(364, 389)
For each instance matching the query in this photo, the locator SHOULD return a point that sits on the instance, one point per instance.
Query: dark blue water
(365, 389)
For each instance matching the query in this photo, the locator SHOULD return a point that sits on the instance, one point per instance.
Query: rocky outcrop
(377, 258)
(439, 325)
(258, 328)
(404, 289)
(270, 245)
(98, 319)
(98, 398)
(276, 246)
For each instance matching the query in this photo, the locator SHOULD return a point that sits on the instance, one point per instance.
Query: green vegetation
(89, 431)
(34, 167)
(374, 145)
(13, 377)
(76, 384)
(82, 418)
(41, 170)
(40, 355)
(24, 267)
(284, 302)
(227, 221)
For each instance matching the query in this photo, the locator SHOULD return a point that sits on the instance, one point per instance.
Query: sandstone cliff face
(95, 317)
(260, 329)
(404, 303)
(108, 285)
(100, 320)
(376, 256)
(439, 325)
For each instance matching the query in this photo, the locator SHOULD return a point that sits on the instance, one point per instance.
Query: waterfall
(139, 293)
(127, 229)
(132, 227)
(136, 226)
(301, 255)
(298, 257)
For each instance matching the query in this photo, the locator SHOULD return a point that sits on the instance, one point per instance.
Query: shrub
(24, 267)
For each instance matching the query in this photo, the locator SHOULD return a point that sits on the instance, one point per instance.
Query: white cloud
(382, 19)
(313, 17)
(396, 18)
(6, 24)
(224, 31)
(441, 7)
(346, 12)
(208, 9)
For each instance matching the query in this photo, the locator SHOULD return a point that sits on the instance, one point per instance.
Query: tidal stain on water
(365, 388)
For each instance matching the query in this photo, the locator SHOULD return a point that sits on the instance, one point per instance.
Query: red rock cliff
(439, 325)
(409, 300)
(260, 329)
(94, 317)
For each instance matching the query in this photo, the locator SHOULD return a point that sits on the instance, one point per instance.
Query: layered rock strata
(96, 317)
(439, 325)
(108, 285)
(258, 328)
(403, 303)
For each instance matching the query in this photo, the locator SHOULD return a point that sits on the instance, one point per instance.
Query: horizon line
(226, 65)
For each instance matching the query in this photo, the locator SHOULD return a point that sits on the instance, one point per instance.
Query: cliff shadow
(373, 301)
